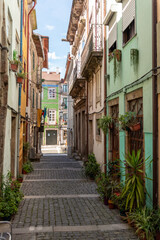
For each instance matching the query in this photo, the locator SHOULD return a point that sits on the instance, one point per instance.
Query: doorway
(51, 137)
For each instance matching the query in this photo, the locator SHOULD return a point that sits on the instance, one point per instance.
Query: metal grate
(136, 137)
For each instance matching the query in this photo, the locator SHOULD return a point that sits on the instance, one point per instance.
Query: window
(129, 32)
(98, 85)
(33, 61)
(9, 34)
(33, 98)
(37, 100)
(98, 131)
(113, 47)
(65, 88)
(65, 102)
(65, 117)
(51, 93)
(52, 116)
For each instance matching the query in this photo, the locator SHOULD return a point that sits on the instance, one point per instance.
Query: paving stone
(58, 188)
(57, 211)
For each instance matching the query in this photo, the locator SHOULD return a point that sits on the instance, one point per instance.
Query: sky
(52, 21)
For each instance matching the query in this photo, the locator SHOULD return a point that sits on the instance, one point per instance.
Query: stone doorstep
(63, 196)
(109, 227)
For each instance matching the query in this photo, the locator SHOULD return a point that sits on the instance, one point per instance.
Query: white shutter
(112, 21)
(128, 14)
(112, 36)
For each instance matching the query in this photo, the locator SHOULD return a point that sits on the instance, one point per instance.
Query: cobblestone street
(60, 203)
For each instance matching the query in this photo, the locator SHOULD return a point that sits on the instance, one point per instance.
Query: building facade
(86, 80)
(50, 102)
(129, 80)
(63, 112)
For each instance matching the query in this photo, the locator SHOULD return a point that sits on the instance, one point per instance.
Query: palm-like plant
(134, 184)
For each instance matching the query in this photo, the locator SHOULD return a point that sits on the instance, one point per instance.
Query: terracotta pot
(20, 80)
(14, 67)
(136, 127)
(111, 204)
(20, 180)
(24, 172)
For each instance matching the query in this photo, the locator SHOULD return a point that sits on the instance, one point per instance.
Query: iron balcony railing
(93, 44)
(77, 71)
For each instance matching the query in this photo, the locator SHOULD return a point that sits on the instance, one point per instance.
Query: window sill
(124, 44)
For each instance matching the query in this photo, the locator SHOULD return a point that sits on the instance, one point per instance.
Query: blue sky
(52, 20)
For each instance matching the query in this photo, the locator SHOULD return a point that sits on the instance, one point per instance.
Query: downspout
(105, 90)
(155, 105)
(20, 87)
(35, 2)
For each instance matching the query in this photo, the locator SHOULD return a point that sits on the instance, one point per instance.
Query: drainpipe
(35, 2)
(20, 87)
(155, 105)
(105, 90)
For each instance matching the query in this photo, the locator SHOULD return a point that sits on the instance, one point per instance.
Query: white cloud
(54, 57)
(50, 27)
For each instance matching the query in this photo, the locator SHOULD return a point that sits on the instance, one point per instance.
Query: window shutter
(112, 36)
(128, 14)
(124, 3)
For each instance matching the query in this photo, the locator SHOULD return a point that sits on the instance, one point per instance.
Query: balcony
(93, 51)
(78, 80)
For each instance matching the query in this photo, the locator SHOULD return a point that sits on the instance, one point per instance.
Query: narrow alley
(60, 203)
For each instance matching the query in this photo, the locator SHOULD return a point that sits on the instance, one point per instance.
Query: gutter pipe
(155, 105)
(20, 87)
(105, 92)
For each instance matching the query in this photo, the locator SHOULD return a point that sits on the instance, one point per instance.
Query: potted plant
(110, 56)
(27, 167)
(15, 62)
(20, 178)
(105, 123)
(144, 221)
(126, 120)
(134, 182)
(102, 182)
(117, 54)
(92, 168)
(20, 77)
(112, 187)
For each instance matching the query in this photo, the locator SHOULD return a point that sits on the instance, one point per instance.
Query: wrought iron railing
(93, 43)
(77, 71)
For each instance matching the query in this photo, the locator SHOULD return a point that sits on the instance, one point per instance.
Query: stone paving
(61, 203)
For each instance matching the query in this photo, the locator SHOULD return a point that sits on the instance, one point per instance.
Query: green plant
(102, 183)
(113, 169)
(117, 60)
(26, 146)
(112, 187)
(92, 168)
(27, 167)
(144, 221)
(127, 119)
(134, 183)
(15, 59)
(104, 123)
(10, 196)
(21, 75)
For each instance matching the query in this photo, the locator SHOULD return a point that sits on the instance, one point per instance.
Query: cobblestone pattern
(64, 212)
(56, 165)
(53, 174)
(58, 188)
(58, 159)
(96, 235)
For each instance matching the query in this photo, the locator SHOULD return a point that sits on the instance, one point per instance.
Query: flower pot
(20, 180)
(111, 204)
(24, 172)
(20, 80)
(135, 127)
(14, 67)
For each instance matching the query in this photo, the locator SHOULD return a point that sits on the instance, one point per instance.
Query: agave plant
(134, 183)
